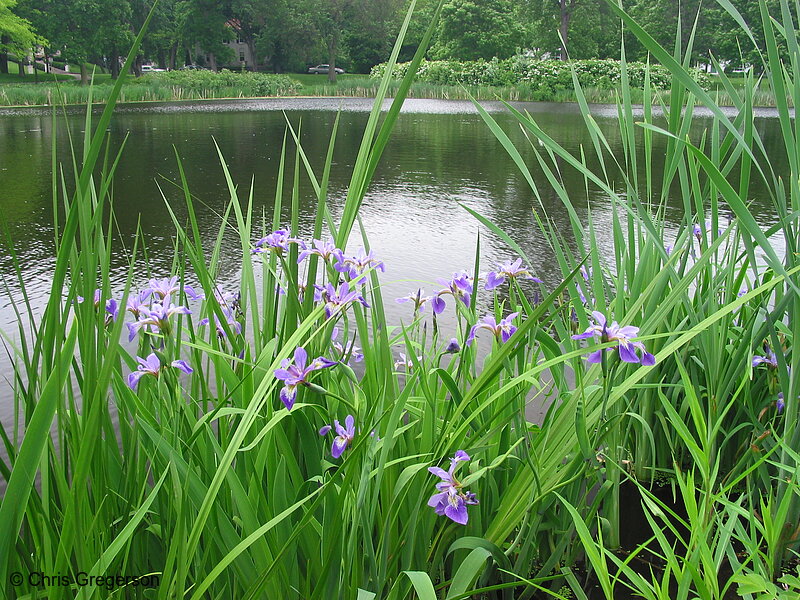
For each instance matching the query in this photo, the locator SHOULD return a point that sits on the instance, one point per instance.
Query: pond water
(441, 156)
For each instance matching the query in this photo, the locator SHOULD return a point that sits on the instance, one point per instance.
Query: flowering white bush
(540, 75)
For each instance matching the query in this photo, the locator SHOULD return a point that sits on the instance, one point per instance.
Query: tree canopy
(291, 35)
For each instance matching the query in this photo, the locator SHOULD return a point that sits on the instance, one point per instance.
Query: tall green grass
(708, 301)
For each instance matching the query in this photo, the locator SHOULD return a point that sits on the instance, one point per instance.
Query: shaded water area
(441, 155)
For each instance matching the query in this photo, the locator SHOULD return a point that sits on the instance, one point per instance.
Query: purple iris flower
(502, 330)
(227, 299)
(451, 501)
(277, 242)
(295, 374)
(168, 286)
(509, 270)
(325, 250)
(111, 308)
(770, 360)
(156, 317)
(355, 266)
(336, 300)
(354, 351)
(405, 362)
(623, 335)
(453, 347)
(152, 366)
(459, 286)
(138, 302)
(344, 437)
(779, 403)
(698, 230)
(417, 298)
(230, 319)
(580, 293)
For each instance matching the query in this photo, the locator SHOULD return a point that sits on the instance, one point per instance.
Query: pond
(441, 156)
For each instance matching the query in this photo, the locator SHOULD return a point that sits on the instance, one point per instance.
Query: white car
(152, 69)
(324, 70)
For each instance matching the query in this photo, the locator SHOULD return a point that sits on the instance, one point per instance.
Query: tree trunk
(113, 64)
(332, 44)
(251, 46)
(173, 56)
(84, 74)
(4, 39)
(212, 62)
(566, 9)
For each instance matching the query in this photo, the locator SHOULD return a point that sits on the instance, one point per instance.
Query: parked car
(152, 69)
(324, 70)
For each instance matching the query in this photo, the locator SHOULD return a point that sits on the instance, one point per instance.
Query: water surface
(441, 157)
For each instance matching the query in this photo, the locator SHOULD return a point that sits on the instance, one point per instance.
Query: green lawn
(13, 76)
(309, 79)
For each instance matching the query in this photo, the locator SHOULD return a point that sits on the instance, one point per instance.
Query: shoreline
(253, 102)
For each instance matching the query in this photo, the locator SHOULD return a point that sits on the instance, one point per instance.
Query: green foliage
(16, 33)
(546, 76)
(247, 84)
(470, 30)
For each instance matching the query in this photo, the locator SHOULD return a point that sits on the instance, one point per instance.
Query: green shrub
(248, 84)
(538, 75)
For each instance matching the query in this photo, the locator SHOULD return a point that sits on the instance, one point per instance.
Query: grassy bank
(347, 85)
(279, 438)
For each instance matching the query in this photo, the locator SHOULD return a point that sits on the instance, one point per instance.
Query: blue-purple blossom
(167, 286)
(459, 286)
(156, 317)
(112, 310)
(451, 501)
(417, 298)
(353, 351)
(296, 374)
(230, 319)
(405, 362)
(622, 335)
(580, 293)
(502, 330)
(138, 302)
(453, 347)
(698, 230)
(355, 266)
(111, 307)
(768, 360)
(277, 242)
(336, 300)
(509, 270)
(325, 250)
(344, 435)
(152, 366)
(779, 403)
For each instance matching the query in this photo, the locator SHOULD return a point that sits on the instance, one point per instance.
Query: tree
(332, 18)
(205, 24)
(16, 34)
(575, 29)
(289, 39)
(371, 34)
(469, 30)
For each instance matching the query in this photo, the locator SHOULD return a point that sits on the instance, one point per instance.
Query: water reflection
(441, 156)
